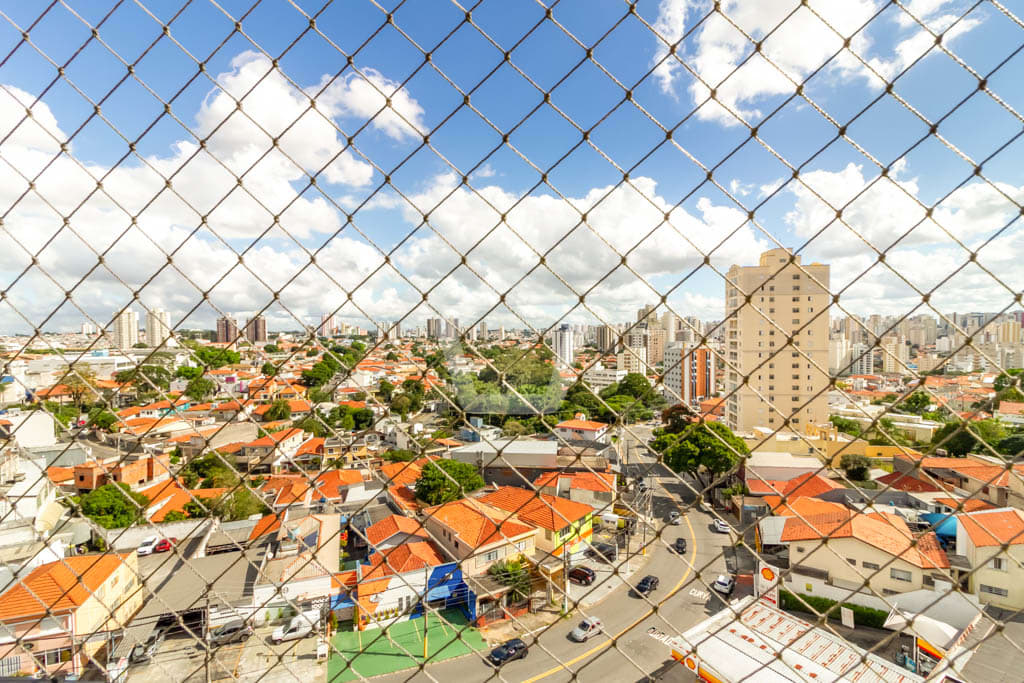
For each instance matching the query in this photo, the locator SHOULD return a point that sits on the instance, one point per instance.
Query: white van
(300, 626)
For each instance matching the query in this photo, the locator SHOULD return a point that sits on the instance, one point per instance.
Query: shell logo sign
(690, 663)
(767, 574)
(766, 584)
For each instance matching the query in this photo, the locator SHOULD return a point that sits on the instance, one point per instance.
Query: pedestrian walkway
(362, 654)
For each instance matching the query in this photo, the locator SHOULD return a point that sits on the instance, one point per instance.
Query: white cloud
(796, 43)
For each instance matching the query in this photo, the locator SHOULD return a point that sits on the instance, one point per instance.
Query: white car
(147, 545)
(299, 626)
(674, 518)
(588, 627)
(724, 584)
(720, 526)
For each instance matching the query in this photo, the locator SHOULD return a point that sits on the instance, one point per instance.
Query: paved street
(685, 600)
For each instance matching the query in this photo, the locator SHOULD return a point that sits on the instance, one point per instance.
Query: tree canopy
(113, 506)
(200, 388)
(958, 442)
(279, 410)
(443, 481)
(703, 450)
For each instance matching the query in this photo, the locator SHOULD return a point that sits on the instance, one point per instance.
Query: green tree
(313, 426)
(401, 404)
(704, 450)
(103, 419)
(399, 455)
(443, 481)
(318, 395)
(958, 442)
(146, 376)
(514, 428)
(846, 425)
(80, 381)
(1012, 445)
(386, 389)
(269, 369)
(188, 372)
(855, 466)
(917, 403)
(514, 574)
(279, 410)
(200, 388)
(1005, 380)
(113, 506)
(271, 348)
(392, 356)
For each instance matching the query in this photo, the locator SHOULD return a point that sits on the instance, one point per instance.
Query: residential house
(236, 410)
(564, 524)
(271, 453)
(477, 535)
(304, 557)
(515, 462)
(172, 496)
(136, 472)
(328, 488)
(299, 409)
(991, 543)
(596, 489)
(392, 531)
(873, 548)
(975, 476)
(64, 613)
(581, 428)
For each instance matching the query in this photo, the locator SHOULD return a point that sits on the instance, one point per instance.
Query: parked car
(507, 651)
(143, 652)
(147, 545)
(647, 585)
(164, 545)
(584, 576)
(720, 527)
(674, 518)
(679, 546)
(586, 628)
(606, 552)
(724, 584)
(299, 626)
(234, 631)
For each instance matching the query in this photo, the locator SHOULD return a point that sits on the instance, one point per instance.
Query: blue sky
(667, 176)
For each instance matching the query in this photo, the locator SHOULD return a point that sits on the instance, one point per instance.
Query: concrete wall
(130, 538)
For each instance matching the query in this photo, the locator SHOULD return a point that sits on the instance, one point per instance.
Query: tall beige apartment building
(785, 381)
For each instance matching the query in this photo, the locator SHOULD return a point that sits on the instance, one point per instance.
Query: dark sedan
(679, 546)
(647, 585)
(507, 651)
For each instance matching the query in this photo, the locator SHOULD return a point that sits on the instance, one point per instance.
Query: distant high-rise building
(434, 328)
(126, 329)
(632, 359)
(481, 331)
(451, 330)
(158, 327)
(895, 355)
(607, 339)
(256, 330)
(790, 300)
(689, 373)
(656, 337)
(564, 348)
(645, 314)
(501, 333)
(327, 328)
(863, 359)
(227, 330)
(839, 355)
(88, 328)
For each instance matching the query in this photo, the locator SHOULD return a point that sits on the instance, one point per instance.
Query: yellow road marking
(598, 648)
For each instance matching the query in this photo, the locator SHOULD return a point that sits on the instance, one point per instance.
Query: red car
(165, 545)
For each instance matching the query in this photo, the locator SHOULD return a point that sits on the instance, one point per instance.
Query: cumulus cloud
(796, 43)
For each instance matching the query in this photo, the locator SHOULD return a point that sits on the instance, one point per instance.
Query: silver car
(586, 628)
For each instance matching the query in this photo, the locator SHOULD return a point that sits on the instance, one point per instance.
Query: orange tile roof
(389, 526)
(969, 504)
(59, 475)
(474, 527)
(905, 482)
(583, 425)
(129, 411)
(312, 446)
(268, 524)
(401, 559)
(401, 473)
(1011, 408)
(584, 481)
(804, 507)
(275, 438)
(994, 527)
(353, 404)
(59, 586)
(888, 533)
(403, 497)
(540, 509)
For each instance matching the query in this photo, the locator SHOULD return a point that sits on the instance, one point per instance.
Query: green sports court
(378, 651)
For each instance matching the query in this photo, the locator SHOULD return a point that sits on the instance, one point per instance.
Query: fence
(510, 254)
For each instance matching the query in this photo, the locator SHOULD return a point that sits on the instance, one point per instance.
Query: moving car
(606, 552)
(724, 584)
(234, 631)
(674, 518)
(147, 545)
(584, 576)
(164, 545)
(586, 628)
(300, 626)
(507, 651)
(679, 546)
(720, 526)
(646, 585)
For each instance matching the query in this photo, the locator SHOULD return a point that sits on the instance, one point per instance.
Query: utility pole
(426, 614)
(206, 636)
(565, 579)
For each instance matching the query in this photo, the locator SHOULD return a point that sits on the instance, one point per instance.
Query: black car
(646, 585)
(582, 575)
(143, 652)
(507, 651)
(606, 552)
(679, 546)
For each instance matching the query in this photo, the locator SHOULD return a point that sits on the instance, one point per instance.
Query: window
(869, 565)
(993, 590)
(900, 575)
(59, 656)
(800, 549)
(521, 545)
(998, 563)
(491, 556)
(10, 666)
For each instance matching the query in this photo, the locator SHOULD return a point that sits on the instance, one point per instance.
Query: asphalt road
(624, 652)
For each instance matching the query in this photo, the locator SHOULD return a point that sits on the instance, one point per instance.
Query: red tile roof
(473, 527)
(582, 425)
(389, 526)
(540, 509)
(402, 558)
(275, 438)
(994, 527)
(584, 481)
(905, 482)
(60, 586)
